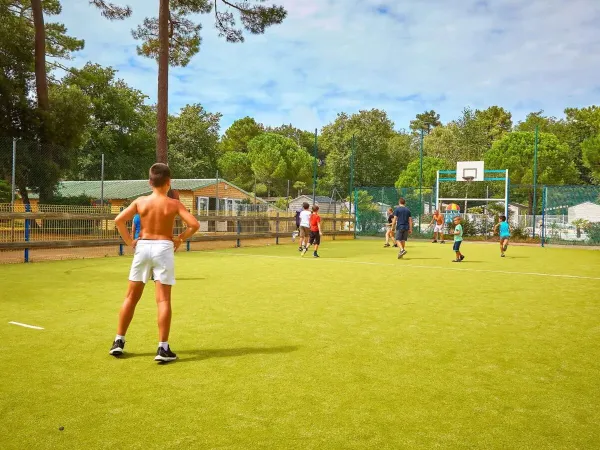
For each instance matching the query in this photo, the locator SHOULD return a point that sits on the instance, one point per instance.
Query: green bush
(593, 232)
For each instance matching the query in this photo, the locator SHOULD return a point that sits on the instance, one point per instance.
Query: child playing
(154, 255)
(304, 226)
(389, 232)
(438, 230)
(315, 231)
(504, 228)
(458, 238)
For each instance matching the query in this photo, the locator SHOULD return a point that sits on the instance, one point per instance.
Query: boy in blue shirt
(136, 227)
(504, 230)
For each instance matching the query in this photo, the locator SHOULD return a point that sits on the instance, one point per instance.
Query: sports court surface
(354, 350)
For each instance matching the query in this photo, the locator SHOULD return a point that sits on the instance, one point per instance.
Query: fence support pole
(421, 180)
(13, 180)
(187, 246)
(239, 230)
(120, 249)
(315, 170)
(27, 228)
(102, 181)
(355, 211)
(543, 231)
(535, 164)
(277, 230)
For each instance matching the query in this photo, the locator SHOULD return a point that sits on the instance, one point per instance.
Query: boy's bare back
(157, 213)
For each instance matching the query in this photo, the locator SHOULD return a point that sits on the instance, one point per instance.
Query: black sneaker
(503, 255)
(401, 254)
(442, 242)
(434, 241)
(396, 245)
(386, 245)
(117, 347)
(462, 257)
(163, 355)
(457, 260)
(316, 255)
(300, 249)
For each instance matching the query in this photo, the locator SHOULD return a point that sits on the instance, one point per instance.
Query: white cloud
(345, 55)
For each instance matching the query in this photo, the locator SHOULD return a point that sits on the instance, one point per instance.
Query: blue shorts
(456, 247)
(504, 237)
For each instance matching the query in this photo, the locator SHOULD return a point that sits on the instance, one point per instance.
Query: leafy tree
(373, 165)
(194, 134)
(496, 121)
(515, 153)
(299, 186)
(238, 135)
(173, 39)
(304, 139)
(545, 124)
(236, 168)
(276, 159)
(591, 156)
(5, 192)
(425, 121)
(411, 176)
(471, 136)
(402, 149)
(120, 127)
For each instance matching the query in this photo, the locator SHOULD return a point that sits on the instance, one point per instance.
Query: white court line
(26, 326)
(419, 266)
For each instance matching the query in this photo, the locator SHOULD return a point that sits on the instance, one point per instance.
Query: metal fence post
(239, 230)
(187, 245)
(277, 230)
(543, 231)
(13, 181)
(27, 225)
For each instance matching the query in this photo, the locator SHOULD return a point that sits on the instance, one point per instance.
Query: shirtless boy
(438, 230)
(154, 255)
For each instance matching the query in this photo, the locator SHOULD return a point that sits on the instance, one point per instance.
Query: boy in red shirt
(315, 231)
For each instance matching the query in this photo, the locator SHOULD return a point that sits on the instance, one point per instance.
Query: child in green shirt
(458, 238)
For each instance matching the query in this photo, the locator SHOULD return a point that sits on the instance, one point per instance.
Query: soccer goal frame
(489, 175)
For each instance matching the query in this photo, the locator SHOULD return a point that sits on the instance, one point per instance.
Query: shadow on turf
(199, 355)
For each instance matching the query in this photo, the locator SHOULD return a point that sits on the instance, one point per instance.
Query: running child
(389, 232)
(315, 231)
(504, 228)
(304, 226)
(438, 229)
(403, 224)
(458, 238)
(154, 255)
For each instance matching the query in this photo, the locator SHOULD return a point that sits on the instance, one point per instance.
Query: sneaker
(315, 254)
(434, 241)
(386, 245)
(502, 255)
(117, 347)
(462, 257)
(300, 249)
(457, 260)
(396, 245)
(442, 242)
(401, 254)
(163, 355)
(303, 251)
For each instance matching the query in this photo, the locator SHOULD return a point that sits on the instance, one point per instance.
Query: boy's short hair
(391, 209)
(503, 218)
(457, 218)
(315, 208)
(305, 205)
(402, 201)
(160, 174)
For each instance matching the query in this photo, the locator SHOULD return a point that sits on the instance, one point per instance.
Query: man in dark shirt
(403, 224)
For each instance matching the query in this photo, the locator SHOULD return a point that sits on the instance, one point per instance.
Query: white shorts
(156, 258)
(438, 228)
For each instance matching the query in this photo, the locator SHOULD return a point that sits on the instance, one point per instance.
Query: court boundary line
(416, 266)
(25, 325)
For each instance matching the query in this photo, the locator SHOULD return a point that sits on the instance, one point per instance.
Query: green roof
(124, 189)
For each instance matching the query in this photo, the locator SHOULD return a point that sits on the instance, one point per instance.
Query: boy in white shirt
(304, 225)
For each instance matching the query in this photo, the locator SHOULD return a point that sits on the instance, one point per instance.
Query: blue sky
(405, 57)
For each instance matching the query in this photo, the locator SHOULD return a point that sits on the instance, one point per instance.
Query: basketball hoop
(468, 179)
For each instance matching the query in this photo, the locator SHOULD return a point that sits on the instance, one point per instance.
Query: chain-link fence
(562, 214)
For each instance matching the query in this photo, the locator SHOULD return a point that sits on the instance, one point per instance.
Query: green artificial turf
(354, 350)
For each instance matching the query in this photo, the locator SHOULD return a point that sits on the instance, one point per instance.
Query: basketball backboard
(470, 171)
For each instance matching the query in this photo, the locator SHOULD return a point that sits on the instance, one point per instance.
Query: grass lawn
(354, 350)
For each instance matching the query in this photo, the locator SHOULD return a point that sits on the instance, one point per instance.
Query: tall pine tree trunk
(41, 84)
(162, 109)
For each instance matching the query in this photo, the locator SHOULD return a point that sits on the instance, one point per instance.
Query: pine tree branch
(110, 10)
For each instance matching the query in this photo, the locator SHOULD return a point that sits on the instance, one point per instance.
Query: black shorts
(402, 235)
(456, 247)
(315, 238)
